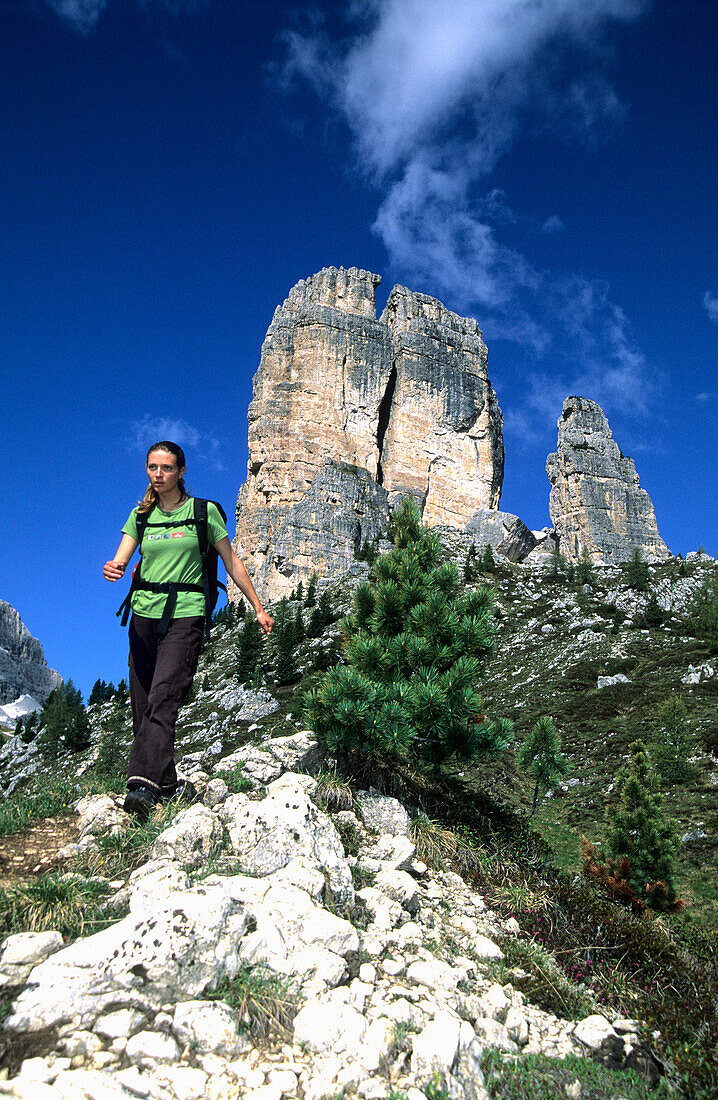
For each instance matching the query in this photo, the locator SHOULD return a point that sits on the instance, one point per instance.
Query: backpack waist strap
(171, 588)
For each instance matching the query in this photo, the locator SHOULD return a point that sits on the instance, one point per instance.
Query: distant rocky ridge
(596, 503)
(23, 669)
(350, 413)
(19, 708)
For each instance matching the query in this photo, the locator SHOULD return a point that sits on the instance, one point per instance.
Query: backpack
(210, 585)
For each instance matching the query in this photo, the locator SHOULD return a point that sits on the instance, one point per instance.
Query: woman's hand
(240, 576)
(265, 621)
(114, 570)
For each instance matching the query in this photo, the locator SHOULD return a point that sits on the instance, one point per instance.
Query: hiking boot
(183, 792)
(141, 802)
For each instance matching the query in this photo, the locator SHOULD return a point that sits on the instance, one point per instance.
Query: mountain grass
(74, 905)
(538, 1077)
(49, 798)
(264, 1002)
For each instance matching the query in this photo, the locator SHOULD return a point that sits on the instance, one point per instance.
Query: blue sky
(170, 168)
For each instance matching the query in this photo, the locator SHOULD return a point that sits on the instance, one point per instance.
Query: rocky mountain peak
(406, 309)
(596, 503)
(351, 290)
(23, 669)
(404, 401)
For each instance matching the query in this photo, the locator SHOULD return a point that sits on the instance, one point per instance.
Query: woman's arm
(241, 578)
(113, 570)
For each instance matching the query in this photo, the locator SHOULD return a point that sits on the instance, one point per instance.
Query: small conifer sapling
(283, 635)
(673, 742)
(249, 650)
(541, 754)
(487, 562)
(637, 571)
(110, 749)
(637, 862)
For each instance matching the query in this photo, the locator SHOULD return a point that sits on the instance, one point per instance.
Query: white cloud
(554, 224)
(413, 65)
(83, 15)
(196, 445)
(434, 92)
(150, 429)
(710, 304)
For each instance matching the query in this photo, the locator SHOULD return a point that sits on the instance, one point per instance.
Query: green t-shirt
(172, 554)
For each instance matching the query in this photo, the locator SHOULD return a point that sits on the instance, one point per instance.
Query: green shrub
(123, 693)
(237, 782)
(414, 653)
(652, 615)
(558, 568)
(546, 984)
(27, 728)
(101, 692)
(487, 562)
(470, 565)
(320, 617)
(584, 573)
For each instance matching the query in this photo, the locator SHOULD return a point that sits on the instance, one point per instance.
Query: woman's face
(163, 471)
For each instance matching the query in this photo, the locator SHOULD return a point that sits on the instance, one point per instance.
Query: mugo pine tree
(414, 652)
(637, 863)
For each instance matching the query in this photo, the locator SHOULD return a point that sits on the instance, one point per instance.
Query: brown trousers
(161, 671)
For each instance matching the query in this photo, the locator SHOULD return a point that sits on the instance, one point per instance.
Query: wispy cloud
(434, 93)
(554, 224)
(83, 15)
(703, 397)
(200, 446)
(710, 304)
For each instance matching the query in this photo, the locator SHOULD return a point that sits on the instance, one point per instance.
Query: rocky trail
(35, 850)
(269, 949)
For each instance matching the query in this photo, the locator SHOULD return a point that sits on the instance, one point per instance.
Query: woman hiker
(169, 608)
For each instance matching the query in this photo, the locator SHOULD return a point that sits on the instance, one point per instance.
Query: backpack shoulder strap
(141, 521)
(200, 519)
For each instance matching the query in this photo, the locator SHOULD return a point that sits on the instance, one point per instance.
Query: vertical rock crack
(383, 421)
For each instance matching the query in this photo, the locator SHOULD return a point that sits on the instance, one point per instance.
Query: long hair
(151, 497)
